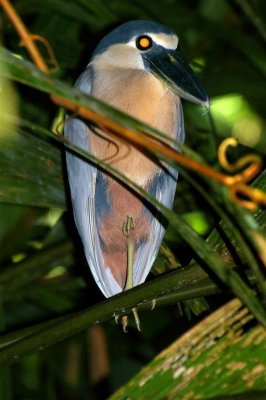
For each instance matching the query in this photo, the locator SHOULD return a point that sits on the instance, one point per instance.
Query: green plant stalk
(180, 285)
(15, 345)
(185, 283)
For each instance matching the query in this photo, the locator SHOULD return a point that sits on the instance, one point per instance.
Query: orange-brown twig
(26, 38)
(235, 183)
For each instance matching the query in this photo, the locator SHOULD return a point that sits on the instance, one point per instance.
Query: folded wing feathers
(82, 179)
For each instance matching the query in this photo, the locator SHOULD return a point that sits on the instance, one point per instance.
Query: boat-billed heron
(136, 69)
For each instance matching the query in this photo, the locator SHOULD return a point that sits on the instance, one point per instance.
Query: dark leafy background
(43, 271)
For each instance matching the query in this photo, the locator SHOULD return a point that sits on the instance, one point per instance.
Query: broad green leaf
(221, 356)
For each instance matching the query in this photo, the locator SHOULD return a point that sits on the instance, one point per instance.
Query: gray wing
(165, 187)
(82, 179)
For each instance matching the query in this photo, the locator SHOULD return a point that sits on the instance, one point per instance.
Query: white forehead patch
(167, 41)
(162, 39)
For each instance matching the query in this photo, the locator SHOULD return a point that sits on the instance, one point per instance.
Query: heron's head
(151, 47)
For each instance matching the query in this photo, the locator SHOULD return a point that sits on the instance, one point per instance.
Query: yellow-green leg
(128, 226)
(130, 265)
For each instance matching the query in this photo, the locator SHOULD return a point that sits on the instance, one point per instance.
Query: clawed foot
(124, 320)
(153, 304)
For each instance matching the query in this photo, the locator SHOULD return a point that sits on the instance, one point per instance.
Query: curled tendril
(241, 193)
(252, 162)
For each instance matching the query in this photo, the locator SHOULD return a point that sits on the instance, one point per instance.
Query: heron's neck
(139, 94)
(142, 96)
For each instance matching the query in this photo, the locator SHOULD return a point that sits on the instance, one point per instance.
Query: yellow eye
(143, 42)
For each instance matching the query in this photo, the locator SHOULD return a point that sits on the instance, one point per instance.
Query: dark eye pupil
(143, 42)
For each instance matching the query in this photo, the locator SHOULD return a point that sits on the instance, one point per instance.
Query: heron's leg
(130, 264)
(128, 226)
